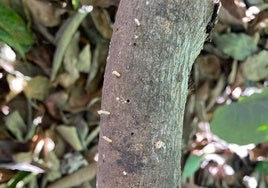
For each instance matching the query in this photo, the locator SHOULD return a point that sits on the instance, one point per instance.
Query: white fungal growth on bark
(137, 22)
(117, 74)
(107, 139)
(124, 173)
(159, 144)
(103, 112)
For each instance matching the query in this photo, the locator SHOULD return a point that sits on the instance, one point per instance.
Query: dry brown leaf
(226, 18)
(208, 66)
(56, 102)
(78, 97)
(6, 175)
(9, 147)
(44, 13)
(236, 8)
(102, 22)
(202, 93)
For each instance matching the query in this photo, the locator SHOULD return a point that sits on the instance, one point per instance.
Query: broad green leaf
(84, 60)
(70, 135)
(16, 125)
(70, 59)
(8, 39)
(238, 46)
(262, 167)
(67, 31)
(243, 122)
(54, 171)
(192, 165)
(259, 64)
(257, 96)
(13, 30)
(37, 88)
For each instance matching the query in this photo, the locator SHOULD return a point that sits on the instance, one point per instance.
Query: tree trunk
(153, 47)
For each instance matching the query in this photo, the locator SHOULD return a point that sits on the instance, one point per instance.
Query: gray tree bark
(153, 47)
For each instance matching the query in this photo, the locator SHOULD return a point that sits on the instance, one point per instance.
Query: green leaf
(6, 38)
(54, 171)
(75, 4)
(238, 46)
(243, 122)
(262, 167)
(84, 60)
(70, 135)
(67, 31)
(37, 88)
(20, 179)
(259, 64)
(13, 30)
(16, 125)
(192, 165)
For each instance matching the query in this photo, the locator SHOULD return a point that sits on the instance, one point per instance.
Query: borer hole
(134, 44)
(132, 134)
(128, 101)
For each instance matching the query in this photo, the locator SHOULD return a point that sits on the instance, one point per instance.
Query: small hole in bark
(134, 44)
(132, 134)
(127, 101)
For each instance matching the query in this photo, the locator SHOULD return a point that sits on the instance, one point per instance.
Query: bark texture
(153, 47)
